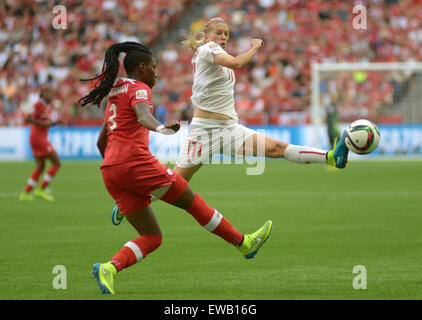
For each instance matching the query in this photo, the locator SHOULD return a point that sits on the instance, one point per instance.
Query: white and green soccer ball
(362, 136)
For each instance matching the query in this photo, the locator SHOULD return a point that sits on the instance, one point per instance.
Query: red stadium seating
(295, 32)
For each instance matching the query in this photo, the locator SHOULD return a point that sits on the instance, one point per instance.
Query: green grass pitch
(325, 223)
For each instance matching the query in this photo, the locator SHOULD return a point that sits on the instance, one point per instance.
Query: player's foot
(26, 196)
(105, 273)
(338, 156)
(253, 242)
(116, 216)
(42, 194)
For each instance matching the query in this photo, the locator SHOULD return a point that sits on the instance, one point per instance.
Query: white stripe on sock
(47, 177)
(32, 182)
(136, 250)
(214, 222)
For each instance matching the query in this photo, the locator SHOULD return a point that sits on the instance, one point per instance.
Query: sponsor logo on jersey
(141, 94)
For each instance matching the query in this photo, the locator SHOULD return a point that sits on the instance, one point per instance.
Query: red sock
(33, 180)
(209, 218)
(135, 250)
(213, 221)
(48, 177)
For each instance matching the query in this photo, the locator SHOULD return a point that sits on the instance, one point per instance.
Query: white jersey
(213, 85)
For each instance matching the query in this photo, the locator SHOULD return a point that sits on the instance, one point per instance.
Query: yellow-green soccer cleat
(105, 273)
(338, 156)
(44, 195)
(253, 242)
(25, 196)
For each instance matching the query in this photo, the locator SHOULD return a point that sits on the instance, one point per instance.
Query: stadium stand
(273, 89)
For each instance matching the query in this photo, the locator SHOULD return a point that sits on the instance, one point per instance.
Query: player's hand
(59, 122)
(173, 125)
(170, 127)
(257, 43)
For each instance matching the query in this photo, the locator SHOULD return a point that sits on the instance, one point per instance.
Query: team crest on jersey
(141, 94)
(213, 45)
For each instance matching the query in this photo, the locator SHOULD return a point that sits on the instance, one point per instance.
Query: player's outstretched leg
(253, 242)
(182, 196)
(105, 273)
(295, 153)
(338, 156)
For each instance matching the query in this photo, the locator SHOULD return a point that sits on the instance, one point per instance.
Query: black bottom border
(215, 309)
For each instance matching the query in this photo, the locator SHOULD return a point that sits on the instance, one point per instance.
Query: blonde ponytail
(195, 39)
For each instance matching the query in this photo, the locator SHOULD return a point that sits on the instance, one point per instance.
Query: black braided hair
(136, 53)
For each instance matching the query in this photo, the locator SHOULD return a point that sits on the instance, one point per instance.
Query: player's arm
(238, 62)
(102, 139)
(60, 121)
(148, 121)
(32, 120)
(44, 123)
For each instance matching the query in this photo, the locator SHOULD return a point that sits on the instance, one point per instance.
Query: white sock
(302, 154)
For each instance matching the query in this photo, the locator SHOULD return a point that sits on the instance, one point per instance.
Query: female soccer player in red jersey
(131, 173)
(42, 149)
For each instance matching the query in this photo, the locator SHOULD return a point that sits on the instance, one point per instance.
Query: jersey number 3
(111, 118)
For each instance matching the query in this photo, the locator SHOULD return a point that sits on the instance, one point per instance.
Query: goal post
(383, 92)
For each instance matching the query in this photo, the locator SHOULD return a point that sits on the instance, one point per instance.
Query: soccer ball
(362, 136)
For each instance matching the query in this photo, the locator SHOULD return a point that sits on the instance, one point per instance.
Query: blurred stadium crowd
(273, 89)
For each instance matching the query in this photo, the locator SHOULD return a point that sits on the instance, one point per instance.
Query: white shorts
(210, 137)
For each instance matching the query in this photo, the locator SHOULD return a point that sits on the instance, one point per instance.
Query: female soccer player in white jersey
(214, 127)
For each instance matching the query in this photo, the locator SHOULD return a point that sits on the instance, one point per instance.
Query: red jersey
(126, 139)
(42, 111)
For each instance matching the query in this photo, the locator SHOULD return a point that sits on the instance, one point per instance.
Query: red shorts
(131, 183)
(42, 148)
